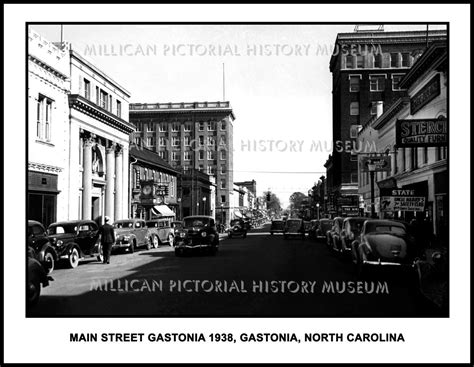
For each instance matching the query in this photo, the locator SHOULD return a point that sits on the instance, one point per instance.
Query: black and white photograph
(235, 173)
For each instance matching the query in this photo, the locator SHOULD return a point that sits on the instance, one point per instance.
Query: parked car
(351, 228)
(131, 234)
(307, 226)
(334, 235)
(277, 226)
(160, 231)
(294, 227)
(325, 225)
(383, 243)
(40, 243)
(313, 227)
(176, 225)
(37, 277)
(199, 234)
(237, 228)
(74, 240)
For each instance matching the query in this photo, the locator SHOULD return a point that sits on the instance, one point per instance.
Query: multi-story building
(197, 194)
(367, 68)
(146, 165)
(421, 166)
(98, 133)
(48, 145)
(191, 136)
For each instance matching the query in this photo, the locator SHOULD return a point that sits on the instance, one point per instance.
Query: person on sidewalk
(107, 239)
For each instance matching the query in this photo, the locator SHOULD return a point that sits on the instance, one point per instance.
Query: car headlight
(59, 243)
(203, 234)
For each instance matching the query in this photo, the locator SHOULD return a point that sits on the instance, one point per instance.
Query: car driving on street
(199, 234)
(131, 234)
(294, 227)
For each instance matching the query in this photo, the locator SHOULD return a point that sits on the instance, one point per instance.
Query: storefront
(42, 197)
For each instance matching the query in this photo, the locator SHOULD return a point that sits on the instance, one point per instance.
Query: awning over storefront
(237, 214)
(162, 211)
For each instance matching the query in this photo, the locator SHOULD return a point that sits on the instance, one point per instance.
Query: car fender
(68, 248)
(47, 248)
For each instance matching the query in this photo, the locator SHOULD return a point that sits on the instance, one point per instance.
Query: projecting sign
(421, 133)
(401, 200)
(430, 91)
(382, 163)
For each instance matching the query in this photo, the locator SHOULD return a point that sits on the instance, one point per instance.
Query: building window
(104, 100)
(223, 155)
(223, 141)
(119, 108)
(162, 154)
(185, 169)
(210, 170)
(201, 168)
(360, 61)
(175, 127)
(174, 156)
(162, 141)
(211, 141)
(211, 126)
(201, 155)
(137, 140)
(201, 140)
(354, 83)
(87, 89)
(211, 155)
(187, 141)
(150, 127)
(187, 127)
(378, 61)
(223, 169)
(175, 141)
(201, 126)
(405, 60)
(349, 64)
(394, 60)
(150, 141)
(223, 127)
(354, 109)
(223, 184)
(164, 128)
(222, 198)
(396, 82)
(377, 83)
(44, 111)
(187, 155)
(373, 108)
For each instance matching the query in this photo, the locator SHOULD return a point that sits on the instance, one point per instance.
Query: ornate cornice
(85, 106)
(44, 167)
(47, 67)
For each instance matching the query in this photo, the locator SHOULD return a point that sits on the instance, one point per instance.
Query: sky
(277, 81)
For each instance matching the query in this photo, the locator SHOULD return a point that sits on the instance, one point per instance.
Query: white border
(46, 340)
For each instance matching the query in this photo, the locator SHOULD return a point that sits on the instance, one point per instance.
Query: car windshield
(277, 224)
(325, 224)
(385, 228)
(123, 225)
(196, 222)
(356, 225)
(62, 228)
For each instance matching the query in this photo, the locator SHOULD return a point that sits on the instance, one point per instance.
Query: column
(408, 159)
(87, 178)
(126, 180)
(118, 182)
(110, 173)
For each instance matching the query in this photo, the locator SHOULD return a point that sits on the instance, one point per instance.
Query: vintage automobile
(36, 278)
(160, 231)
(313, 227)
(294, 227)
(199, 234)
(75, 240)
(351, 228)
(383, 244)
(237, 228)
(307, 226)
(131, 234)
(277, 226)
(333, 236)
(176, 225)
(40, 243)
(324, 226)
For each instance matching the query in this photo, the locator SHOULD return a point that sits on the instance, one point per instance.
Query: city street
(233, 283)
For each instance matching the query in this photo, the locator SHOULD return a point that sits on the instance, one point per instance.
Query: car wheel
(100, 257)
(73, 258)
(156, 242)
(49, 262)
(33, 290)
(171, 240)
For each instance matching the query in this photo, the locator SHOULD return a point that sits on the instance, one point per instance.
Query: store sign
(381, 163)
(161, 190)
(401, 200)
(421, 133)
(429, 92)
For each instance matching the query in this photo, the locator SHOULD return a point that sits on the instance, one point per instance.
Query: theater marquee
(421, 133)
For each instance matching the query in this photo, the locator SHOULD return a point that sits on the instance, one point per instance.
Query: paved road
(261, 275)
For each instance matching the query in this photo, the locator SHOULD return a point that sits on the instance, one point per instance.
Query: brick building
(191, 136)
(367, 68)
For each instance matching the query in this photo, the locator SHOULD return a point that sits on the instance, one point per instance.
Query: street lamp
(371, 168)
(222, 215)
(197, 204)
(317, 209)
(204, 205)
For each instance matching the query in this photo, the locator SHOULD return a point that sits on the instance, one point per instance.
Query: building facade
(98, 134)
(198, 192)
(191, 137)
(48, 144)
(147, 166)
(367, 68)
(420, 168)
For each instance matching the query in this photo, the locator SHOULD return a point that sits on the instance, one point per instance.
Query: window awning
(162, 211)
(237, 214)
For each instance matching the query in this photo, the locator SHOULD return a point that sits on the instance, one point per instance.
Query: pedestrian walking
(107, 239)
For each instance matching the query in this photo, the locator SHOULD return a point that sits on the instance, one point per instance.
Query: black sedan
(198, 234)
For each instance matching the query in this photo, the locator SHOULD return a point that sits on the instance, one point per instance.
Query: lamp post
(371, 168)
(317, 210)
(197, 204)
(204, 205)
(222, 215)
